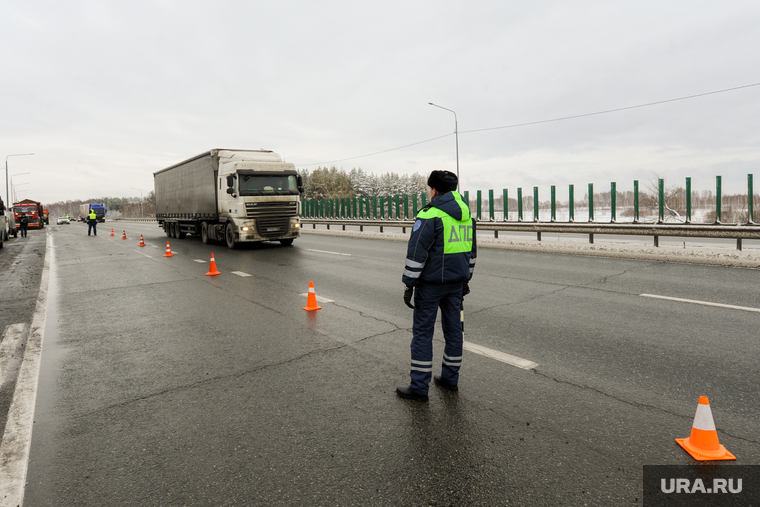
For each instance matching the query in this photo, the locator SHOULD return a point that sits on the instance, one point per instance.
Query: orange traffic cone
(703, 443)
(112, 234)
(212, 268)
(124, 236)
(311, 299)
(142, 243)
(168, 251)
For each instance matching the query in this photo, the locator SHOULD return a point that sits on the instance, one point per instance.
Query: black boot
(407, 393)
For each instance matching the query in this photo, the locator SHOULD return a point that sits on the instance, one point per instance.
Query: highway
(160, 385)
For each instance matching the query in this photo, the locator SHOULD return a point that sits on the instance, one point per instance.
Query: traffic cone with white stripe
(212, 271)
(703, 444)
(311, 299)
(168, 251)
(124, 236)
(142, 243)
(112, 234)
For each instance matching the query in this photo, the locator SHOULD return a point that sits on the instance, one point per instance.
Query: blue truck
(98, 208)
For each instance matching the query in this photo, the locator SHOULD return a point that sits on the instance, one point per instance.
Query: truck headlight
(244, 228)
(296, 225)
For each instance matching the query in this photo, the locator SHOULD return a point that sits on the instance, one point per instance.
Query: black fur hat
(442, 181)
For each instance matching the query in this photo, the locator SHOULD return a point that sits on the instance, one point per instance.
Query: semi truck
(234, 196)
(98, 208)
(32, 210)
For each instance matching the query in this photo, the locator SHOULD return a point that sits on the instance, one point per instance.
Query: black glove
(408, 293)
(465, 288)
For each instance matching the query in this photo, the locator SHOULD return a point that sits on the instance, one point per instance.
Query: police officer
(92, 222)
(23, 222)
(440, 260)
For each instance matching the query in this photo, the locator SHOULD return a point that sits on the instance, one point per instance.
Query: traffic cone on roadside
(142, 243)
(124, 236)
(212, 271)
(112, 234)
(168, 251)
(703, 444)
(311, 299)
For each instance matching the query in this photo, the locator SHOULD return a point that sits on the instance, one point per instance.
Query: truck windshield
(24, 209)
(267, 184)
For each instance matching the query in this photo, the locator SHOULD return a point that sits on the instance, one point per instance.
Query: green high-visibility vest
(457, 234)
(93, 216)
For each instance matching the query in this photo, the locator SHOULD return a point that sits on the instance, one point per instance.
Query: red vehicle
(32, 210)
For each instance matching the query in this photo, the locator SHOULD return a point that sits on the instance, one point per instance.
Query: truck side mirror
(230, 182)
(230, 190)
(299, 182)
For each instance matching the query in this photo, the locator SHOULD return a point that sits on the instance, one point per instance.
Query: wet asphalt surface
(162, 386)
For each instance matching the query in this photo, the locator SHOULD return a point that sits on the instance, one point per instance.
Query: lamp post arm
(7, 188)
(456, 135)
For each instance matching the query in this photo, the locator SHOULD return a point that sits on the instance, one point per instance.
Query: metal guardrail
(738, 232)
(131, 220)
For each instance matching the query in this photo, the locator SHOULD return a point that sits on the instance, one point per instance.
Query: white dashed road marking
(319, 298)
(500, 356)
(325, 251)
(706, 303)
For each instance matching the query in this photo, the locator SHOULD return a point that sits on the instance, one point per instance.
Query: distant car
(62, 220)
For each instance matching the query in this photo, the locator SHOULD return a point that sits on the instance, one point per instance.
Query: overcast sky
(106, 93)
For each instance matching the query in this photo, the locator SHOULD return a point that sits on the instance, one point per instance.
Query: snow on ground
(707, 255)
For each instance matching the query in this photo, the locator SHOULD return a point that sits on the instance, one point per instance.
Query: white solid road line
(17, 438)
(325, 251)
(706, 303)
(240, 273)
(525, 364)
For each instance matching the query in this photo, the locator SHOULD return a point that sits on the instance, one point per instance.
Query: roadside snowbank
(714, 256)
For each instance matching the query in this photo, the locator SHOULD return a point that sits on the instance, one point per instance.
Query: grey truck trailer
(234, 196)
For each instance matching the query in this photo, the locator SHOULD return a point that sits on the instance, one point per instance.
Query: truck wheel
(286, 242)
(229, 235)
(204, 233)
(180, 233)
(174, 227)
(168, 229)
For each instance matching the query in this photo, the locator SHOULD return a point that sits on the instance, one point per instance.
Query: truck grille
(272, 218)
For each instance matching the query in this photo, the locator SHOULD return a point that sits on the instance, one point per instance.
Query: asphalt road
(162, 386)
(20, 271)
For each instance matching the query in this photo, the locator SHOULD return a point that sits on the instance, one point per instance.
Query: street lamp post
(13, 187)
(141, 201)
(456, 136)
(7, 188)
